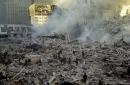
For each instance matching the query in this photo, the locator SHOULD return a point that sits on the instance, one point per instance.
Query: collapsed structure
(58, 59)
(41, 60)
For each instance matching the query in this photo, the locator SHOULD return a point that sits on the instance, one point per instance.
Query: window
(3, 29)
(23, 29)
(17, 29)
(10, 28)
(29, 29)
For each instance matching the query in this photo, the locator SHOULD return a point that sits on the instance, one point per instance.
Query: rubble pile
(47, 61)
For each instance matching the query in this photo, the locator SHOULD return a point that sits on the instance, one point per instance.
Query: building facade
(17, 12)
(40, 13)
(15, 17)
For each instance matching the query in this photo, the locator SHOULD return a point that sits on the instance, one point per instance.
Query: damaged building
(16, 18)
(40, 12)
(85, 42)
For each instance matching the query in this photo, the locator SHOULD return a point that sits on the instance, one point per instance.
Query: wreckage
(59, 62)
(62, 59)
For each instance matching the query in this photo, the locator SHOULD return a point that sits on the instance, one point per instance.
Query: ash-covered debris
(54, 61)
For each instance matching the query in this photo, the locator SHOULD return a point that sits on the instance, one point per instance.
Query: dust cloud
(96, 20)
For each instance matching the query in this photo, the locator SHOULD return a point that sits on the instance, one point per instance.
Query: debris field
(52, 61)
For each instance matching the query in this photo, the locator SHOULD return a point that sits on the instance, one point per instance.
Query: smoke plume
(84, 19)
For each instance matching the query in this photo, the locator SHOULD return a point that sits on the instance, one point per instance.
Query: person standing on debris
(76, 61)
(59, 52)
(63, 60)
(5, 53)
(5, 59)
(69, 60)
(83, 54)
(85, 77)
(21, 57)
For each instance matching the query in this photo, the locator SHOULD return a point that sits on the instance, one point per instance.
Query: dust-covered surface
(39, 60)
(62, 60)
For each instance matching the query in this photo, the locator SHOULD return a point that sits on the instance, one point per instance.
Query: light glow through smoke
(84, 18)
(125, 10)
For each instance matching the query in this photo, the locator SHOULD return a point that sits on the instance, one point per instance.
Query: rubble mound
(53, 61)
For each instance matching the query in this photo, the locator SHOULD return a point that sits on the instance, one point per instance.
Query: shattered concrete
(42, 60)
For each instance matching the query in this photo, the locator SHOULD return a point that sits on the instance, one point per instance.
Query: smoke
(83, 19)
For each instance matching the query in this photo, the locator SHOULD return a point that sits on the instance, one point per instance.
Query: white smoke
(82, 19)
